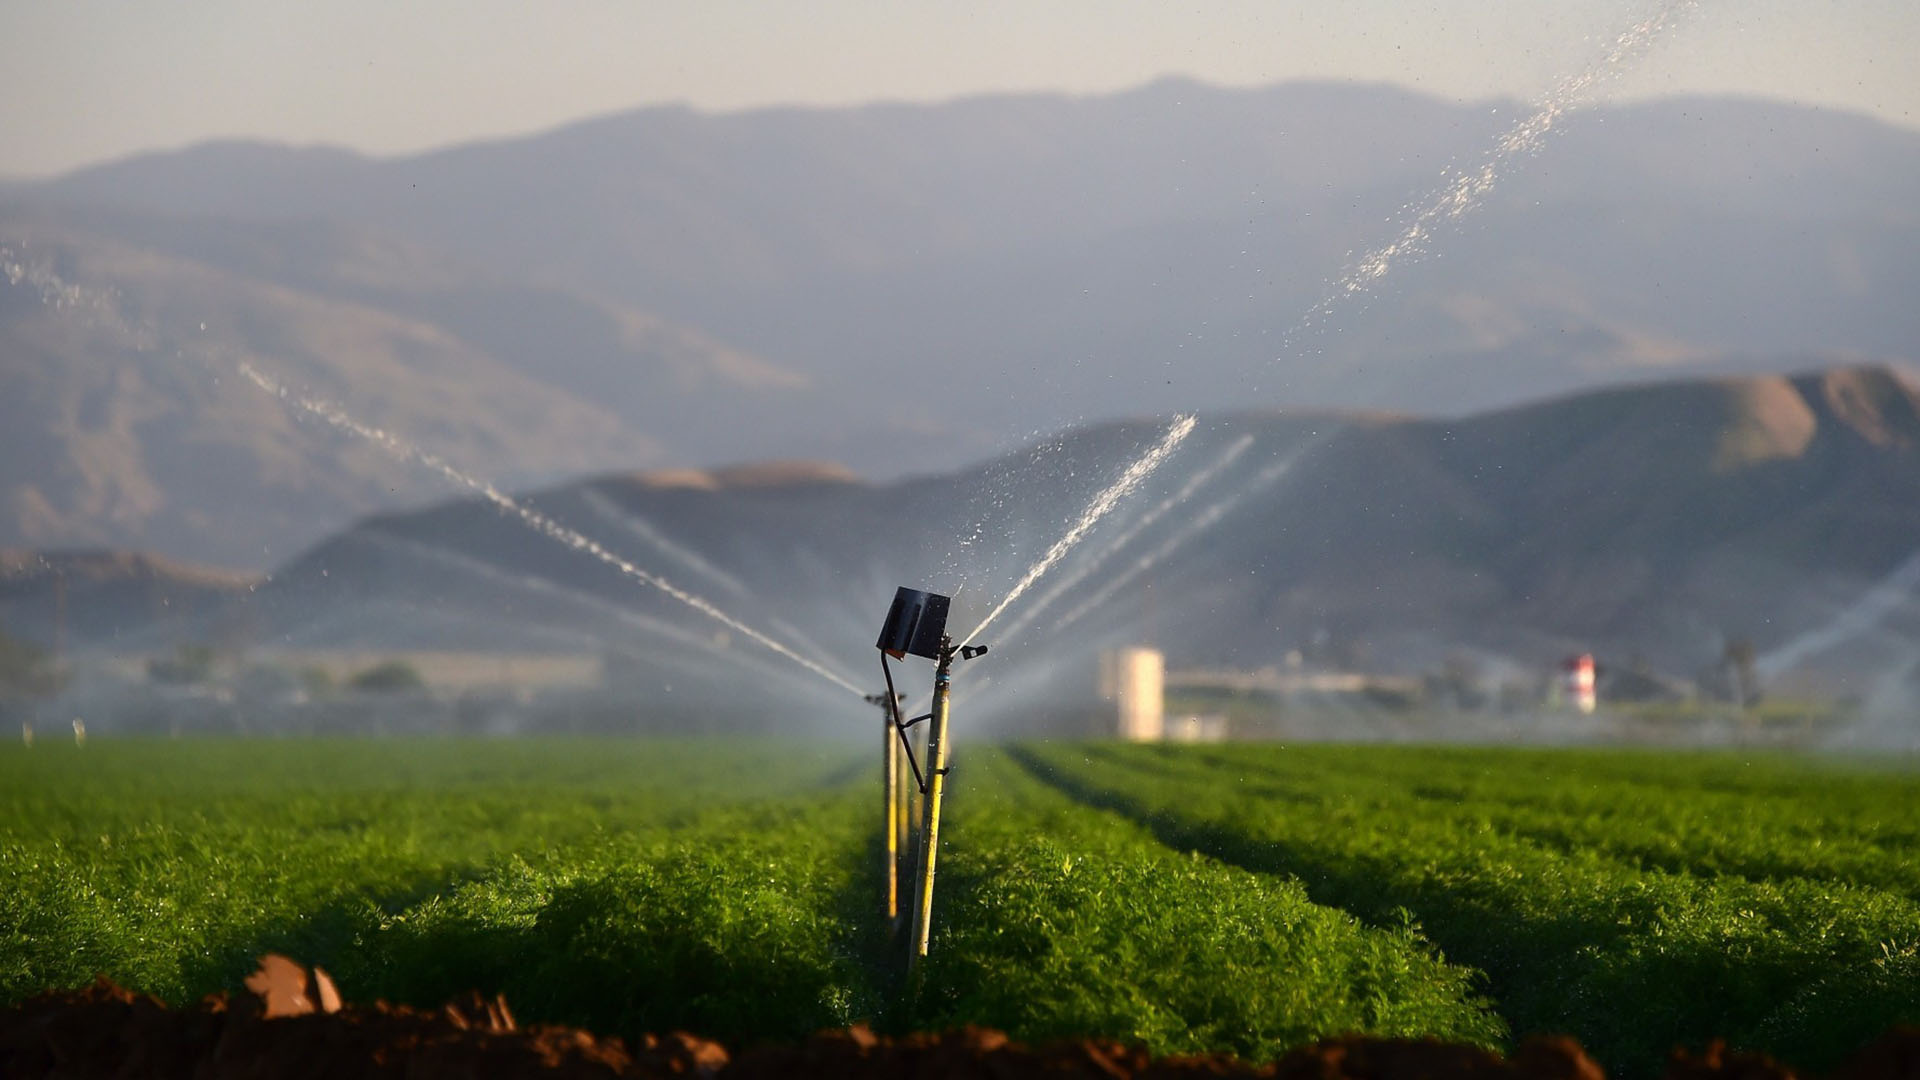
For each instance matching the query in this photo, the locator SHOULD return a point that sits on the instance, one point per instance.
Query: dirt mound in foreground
(293, 1025)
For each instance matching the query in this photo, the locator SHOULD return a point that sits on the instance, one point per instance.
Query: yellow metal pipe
(903, 801)
(930, 827)
(891, 757)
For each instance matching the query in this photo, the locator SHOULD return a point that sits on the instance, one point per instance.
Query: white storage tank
(1135, 680)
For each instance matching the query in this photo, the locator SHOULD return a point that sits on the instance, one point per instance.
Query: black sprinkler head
(915, 624)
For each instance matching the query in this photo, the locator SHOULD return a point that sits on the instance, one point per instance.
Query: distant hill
(898, 288)
(124, 423)
(948, 279)
(92, 598)
(1652, 524)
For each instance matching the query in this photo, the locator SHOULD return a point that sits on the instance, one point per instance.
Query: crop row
(1764, 817)
(1057, 920)
(749, 921)
(1632, 959)
(169, 866)
(727, 889)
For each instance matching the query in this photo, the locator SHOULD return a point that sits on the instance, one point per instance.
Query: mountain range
(902, 289)
(1654, 525)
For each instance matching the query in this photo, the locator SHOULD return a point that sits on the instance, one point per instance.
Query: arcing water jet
(1102, 504)
(1146, 521)
(1872, 607)
(1458, 198)
(1201, 522)
(1463, 194)
(535, 520)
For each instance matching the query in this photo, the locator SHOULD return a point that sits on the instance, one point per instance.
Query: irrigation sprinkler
(916, 625)
(892, 792)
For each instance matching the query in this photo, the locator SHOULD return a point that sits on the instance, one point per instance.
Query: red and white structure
(1577, 681)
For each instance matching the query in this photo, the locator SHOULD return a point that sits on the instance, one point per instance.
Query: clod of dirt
(1716, 1062)
(284, 988)
(1355, 1058)
(858, 1054)
(293, 1025)
(1556, 1058)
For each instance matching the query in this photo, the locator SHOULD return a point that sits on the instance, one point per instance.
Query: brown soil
(293, 1025)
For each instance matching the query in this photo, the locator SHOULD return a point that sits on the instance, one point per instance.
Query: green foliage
(169, 866)
(188, 666)
(729, 925)
(1243, 898)
(1062, 921)
(1634, 931)
(25, 670)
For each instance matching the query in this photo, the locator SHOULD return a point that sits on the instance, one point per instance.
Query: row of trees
(28, 672)
(193, 665)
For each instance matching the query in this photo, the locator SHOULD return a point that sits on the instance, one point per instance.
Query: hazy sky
(92, 79)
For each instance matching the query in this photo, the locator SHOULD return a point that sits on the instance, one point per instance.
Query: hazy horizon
(1489, 100)
(111, 82)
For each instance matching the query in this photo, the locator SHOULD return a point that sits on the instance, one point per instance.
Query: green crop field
(1240, 898)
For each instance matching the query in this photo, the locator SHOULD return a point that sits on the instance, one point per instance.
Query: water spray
(1201, 522)
(1464, 192)
(534, 519)
(536, 585)
(916, 625)
(601, 504)
(1146, 521)
(1102, 504)
(1457, 198)
(1874, 606)
(1454, 201)
(55, 291)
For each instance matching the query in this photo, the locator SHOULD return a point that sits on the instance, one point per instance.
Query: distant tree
(391, 677)
(188, 666)
(26, 671)
(1743, 676)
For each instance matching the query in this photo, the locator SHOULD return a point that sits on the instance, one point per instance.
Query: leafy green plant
(1059, 921)
(730, 925)
(1629, 957)
(1239, 898)
(169, 866)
